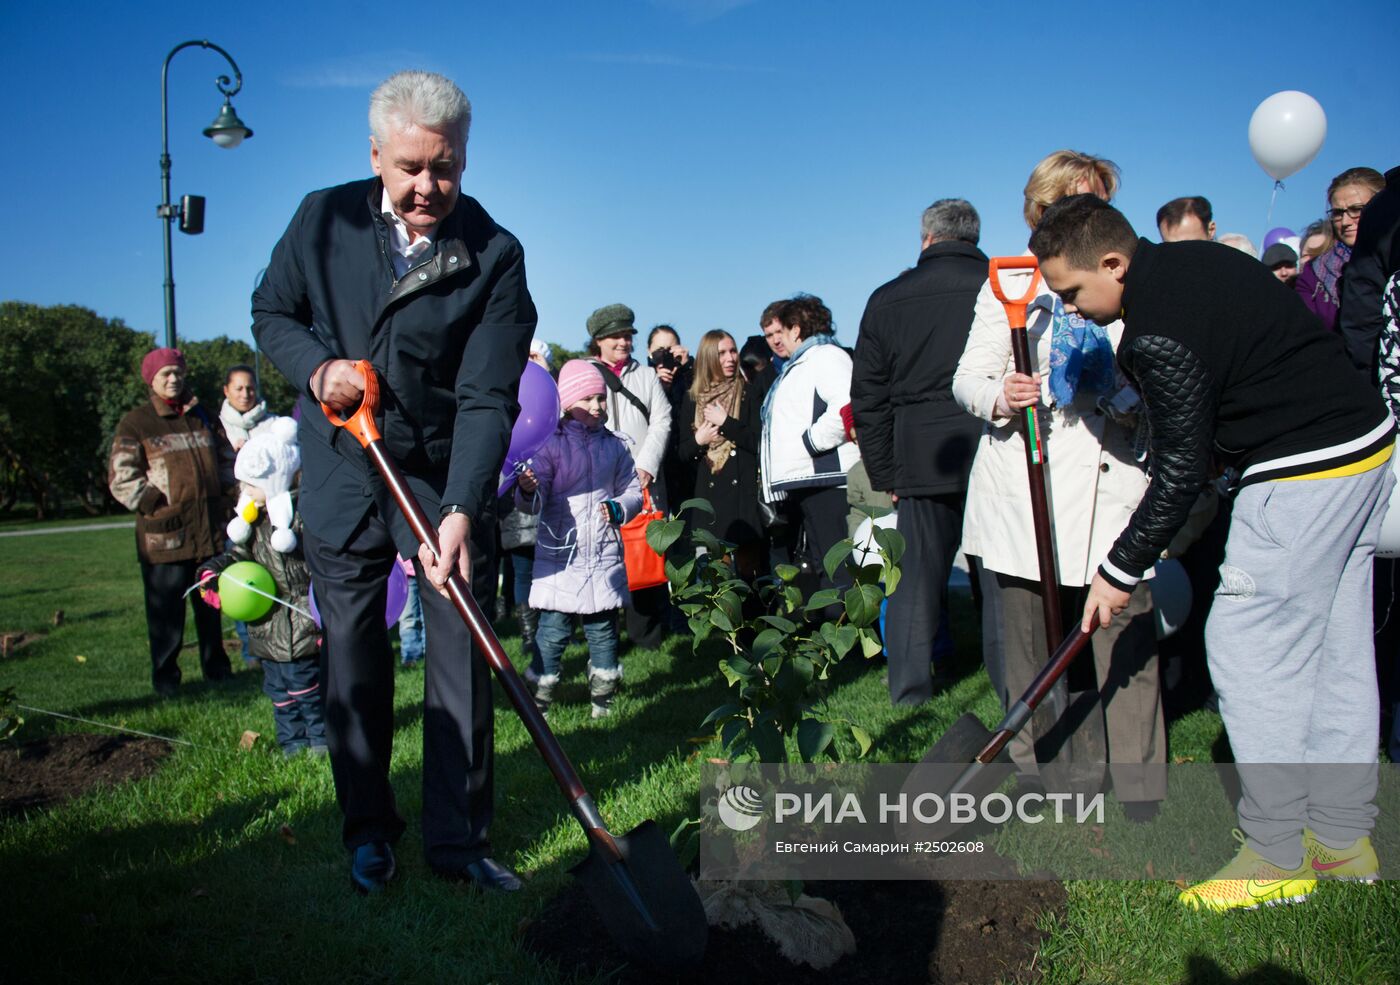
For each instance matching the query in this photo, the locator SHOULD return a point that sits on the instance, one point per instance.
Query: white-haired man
(404, 271)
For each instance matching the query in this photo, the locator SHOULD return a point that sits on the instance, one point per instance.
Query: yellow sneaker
(1356, 862)
(1250, 881)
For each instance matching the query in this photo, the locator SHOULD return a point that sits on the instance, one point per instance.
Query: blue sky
(693, 158)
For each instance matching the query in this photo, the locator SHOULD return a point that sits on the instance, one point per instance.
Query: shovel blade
(951, 766)
(646, 901)
(962, 742)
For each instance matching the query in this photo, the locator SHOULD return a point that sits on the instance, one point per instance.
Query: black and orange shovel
(635, 881)
(1035, 438)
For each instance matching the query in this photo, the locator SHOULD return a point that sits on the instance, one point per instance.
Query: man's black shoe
(372, 867)
(486, 873)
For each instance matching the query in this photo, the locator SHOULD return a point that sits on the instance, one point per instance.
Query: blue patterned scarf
(1081, 357)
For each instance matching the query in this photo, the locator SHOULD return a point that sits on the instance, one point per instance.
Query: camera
(663, 358)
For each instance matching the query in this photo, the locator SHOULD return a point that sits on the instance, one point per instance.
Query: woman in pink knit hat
(583, 484)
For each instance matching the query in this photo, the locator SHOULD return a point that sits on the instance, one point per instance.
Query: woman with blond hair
(1094, 480)
(719, 431)
(1319, 280)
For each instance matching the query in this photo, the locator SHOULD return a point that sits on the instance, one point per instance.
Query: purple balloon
(539, 414)
(1276, 234)
(393, 606)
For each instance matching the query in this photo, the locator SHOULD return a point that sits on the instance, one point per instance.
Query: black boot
(529, 624)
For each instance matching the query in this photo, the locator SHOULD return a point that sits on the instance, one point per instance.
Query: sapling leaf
(870, 643)
(890, 576)
(822, 598)
(836, 556)
(863, 604)
(891, 543)
(723, 711)
(778, 622)
(767, 741)
(703, 505)
(813, 737)
(679, 575)
(661, 534)
(765, 643)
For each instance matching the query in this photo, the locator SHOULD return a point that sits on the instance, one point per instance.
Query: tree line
(67, 375)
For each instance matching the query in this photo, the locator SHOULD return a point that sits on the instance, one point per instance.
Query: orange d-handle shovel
(635, 881)
(1035, 439)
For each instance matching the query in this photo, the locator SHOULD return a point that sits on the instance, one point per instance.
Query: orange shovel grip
(1015, 307)
(361, 423)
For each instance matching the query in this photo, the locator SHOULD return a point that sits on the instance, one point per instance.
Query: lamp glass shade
(227, 130)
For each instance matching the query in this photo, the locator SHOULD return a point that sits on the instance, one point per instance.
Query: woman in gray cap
(640, 413)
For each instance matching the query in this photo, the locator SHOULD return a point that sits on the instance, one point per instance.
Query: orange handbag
(645, 568)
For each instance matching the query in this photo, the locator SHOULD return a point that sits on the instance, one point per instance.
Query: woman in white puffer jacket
(805, 451)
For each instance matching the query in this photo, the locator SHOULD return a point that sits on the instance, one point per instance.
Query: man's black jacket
(1230, 366)
(914, 438)
(449, 342)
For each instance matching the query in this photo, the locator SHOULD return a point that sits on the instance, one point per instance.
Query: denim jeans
(297, 708)
(599, 628)
(411, 638)
(241, 628)
(522, 562)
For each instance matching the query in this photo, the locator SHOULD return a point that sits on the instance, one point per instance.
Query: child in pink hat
(583, 484)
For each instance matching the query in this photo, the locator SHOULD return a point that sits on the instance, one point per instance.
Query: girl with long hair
(720, 432)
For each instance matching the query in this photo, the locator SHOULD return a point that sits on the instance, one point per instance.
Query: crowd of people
(1183, 389)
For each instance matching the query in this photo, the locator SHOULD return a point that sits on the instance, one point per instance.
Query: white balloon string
(256, 591)
(1278, 187)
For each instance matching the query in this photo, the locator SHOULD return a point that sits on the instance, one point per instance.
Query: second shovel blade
(668, 928)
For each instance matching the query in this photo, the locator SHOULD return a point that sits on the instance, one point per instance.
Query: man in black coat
(404, 271)
(915, 440)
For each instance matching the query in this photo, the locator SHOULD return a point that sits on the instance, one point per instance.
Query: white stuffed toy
(269, 461)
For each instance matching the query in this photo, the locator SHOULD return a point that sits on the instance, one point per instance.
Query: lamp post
(227, 131)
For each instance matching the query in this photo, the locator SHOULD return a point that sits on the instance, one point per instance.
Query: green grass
(190, 876)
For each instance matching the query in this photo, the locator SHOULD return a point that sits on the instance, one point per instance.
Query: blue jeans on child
(599, 628)
(295, 689)
(522, 561)
(241, 628)
(412, 642)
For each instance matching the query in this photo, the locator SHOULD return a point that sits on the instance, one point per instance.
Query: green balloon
(236, 595)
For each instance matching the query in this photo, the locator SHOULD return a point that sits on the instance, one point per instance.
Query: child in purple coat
(583, 484)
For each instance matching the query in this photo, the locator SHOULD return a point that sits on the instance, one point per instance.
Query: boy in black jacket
(1231, 368)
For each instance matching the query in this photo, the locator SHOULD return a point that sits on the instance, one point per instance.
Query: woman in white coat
(640, 414)
(1094, 482)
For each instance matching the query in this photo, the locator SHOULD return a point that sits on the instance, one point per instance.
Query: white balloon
(1286, 132)
(1389, 545)
(866, 550)
(1171, 596)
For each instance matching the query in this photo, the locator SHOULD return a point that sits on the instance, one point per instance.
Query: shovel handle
(361, 424)
(1026, 705)
(1035, 444)
(1015, 307)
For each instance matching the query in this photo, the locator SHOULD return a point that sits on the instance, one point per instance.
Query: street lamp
(228, 131)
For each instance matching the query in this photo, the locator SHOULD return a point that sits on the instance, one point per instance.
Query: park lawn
(226, 865)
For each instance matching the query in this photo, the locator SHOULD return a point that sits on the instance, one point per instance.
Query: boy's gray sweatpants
(1290, 652)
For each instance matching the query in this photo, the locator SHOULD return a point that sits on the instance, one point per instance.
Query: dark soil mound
(51, 770)
(906, 932)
